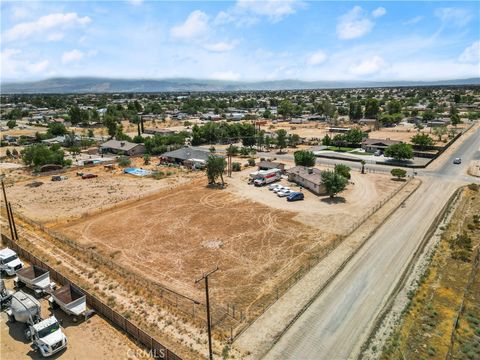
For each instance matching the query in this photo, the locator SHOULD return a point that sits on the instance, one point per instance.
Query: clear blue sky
(241, 40)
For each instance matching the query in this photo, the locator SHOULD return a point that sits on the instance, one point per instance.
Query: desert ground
(55, 201)
(175, 236)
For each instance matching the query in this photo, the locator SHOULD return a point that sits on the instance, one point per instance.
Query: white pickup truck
(9, 261)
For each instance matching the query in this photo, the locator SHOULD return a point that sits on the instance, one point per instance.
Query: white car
(284, 192)
(9, 261)
(278, 188)
(273, 186)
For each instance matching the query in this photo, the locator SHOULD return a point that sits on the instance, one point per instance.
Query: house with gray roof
(121, 147)
(308, 178)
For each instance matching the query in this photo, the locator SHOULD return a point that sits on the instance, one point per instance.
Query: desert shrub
(474, 187)
(236, 166)
(251, 162)
(124, 161)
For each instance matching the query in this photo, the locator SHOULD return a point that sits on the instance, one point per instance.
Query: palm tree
(231, 151)
(363, 162)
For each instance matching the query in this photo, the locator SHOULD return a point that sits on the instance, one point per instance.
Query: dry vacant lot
(176, 235)
(55, 201)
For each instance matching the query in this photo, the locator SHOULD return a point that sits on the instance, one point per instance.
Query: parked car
(278, 188)
(89, 176)
(59, 178)
(273, 186)
(284, 192)
(377, 153)
(295, 196)
(457, 161)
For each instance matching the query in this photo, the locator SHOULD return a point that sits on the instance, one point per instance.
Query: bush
(398, 173)
(236, 166)
(124, 161)
(39, 155)
(474, 187)
(251, 162)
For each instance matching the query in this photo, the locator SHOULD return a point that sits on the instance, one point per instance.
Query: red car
(89, 176)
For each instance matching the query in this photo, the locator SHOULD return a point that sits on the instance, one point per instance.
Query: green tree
(428, 115)
(304, 158)
(334, 182)
(231, 151)
(281, 139)
(56, 129)
(90, 133)
(372, 108)
(355, 111)
(394, 107)
(285, 109)
(440, 131)
(399, 173)
(355, 136)
(293, 140)
(146, 159)
(111, 124)
(38, 155)
(422, 140)
(215, 166)
(327, 140)
(75, 114)
(399, 151)
(343, 170)
(11, 124)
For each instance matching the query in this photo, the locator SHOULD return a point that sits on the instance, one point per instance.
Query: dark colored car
(295, 196)
(89, 176)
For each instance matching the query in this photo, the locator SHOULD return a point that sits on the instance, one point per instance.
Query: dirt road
(340, 319)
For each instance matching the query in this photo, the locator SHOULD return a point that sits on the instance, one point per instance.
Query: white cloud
(454, 16)
(378, 12)
(54, 21)
(317, 58)
(195, 26)
(354, 24)
(220, 46)
(248, 12)
(413, 20)
(368, 66)
(72, 56)
(38, 67)
(226, 75)
(55, 36)
(471, 54)
(14, 66)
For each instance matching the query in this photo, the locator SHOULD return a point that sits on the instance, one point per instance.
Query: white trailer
(70, 299)
(35, 278)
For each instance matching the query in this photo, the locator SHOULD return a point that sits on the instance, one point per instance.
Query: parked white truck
(265, 177)
(47, 336)
(9, 261)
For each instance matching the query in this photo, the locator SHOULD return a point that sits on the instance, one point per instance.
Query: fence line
(462, 304)
(157, 350)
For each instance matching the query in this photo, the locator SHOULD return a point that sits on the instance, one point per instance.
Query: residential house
(122, 148)
(377, 144)
(308, 178)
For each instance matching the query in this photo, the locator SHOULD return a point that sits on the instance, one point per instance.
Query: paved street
(340, 319)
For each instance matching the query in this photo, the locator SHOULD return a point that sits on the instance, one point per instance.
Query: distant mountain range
(101, 85)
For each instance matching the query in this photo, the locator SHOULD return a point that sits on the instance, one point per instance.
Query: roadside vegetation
(443, 315)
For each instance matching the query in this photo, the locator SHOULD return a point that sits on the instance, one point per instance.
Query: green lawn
(340, 149)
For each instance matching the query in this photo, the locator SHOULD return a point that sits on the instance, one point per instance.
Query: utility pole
(209, 324)
(8, 212)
